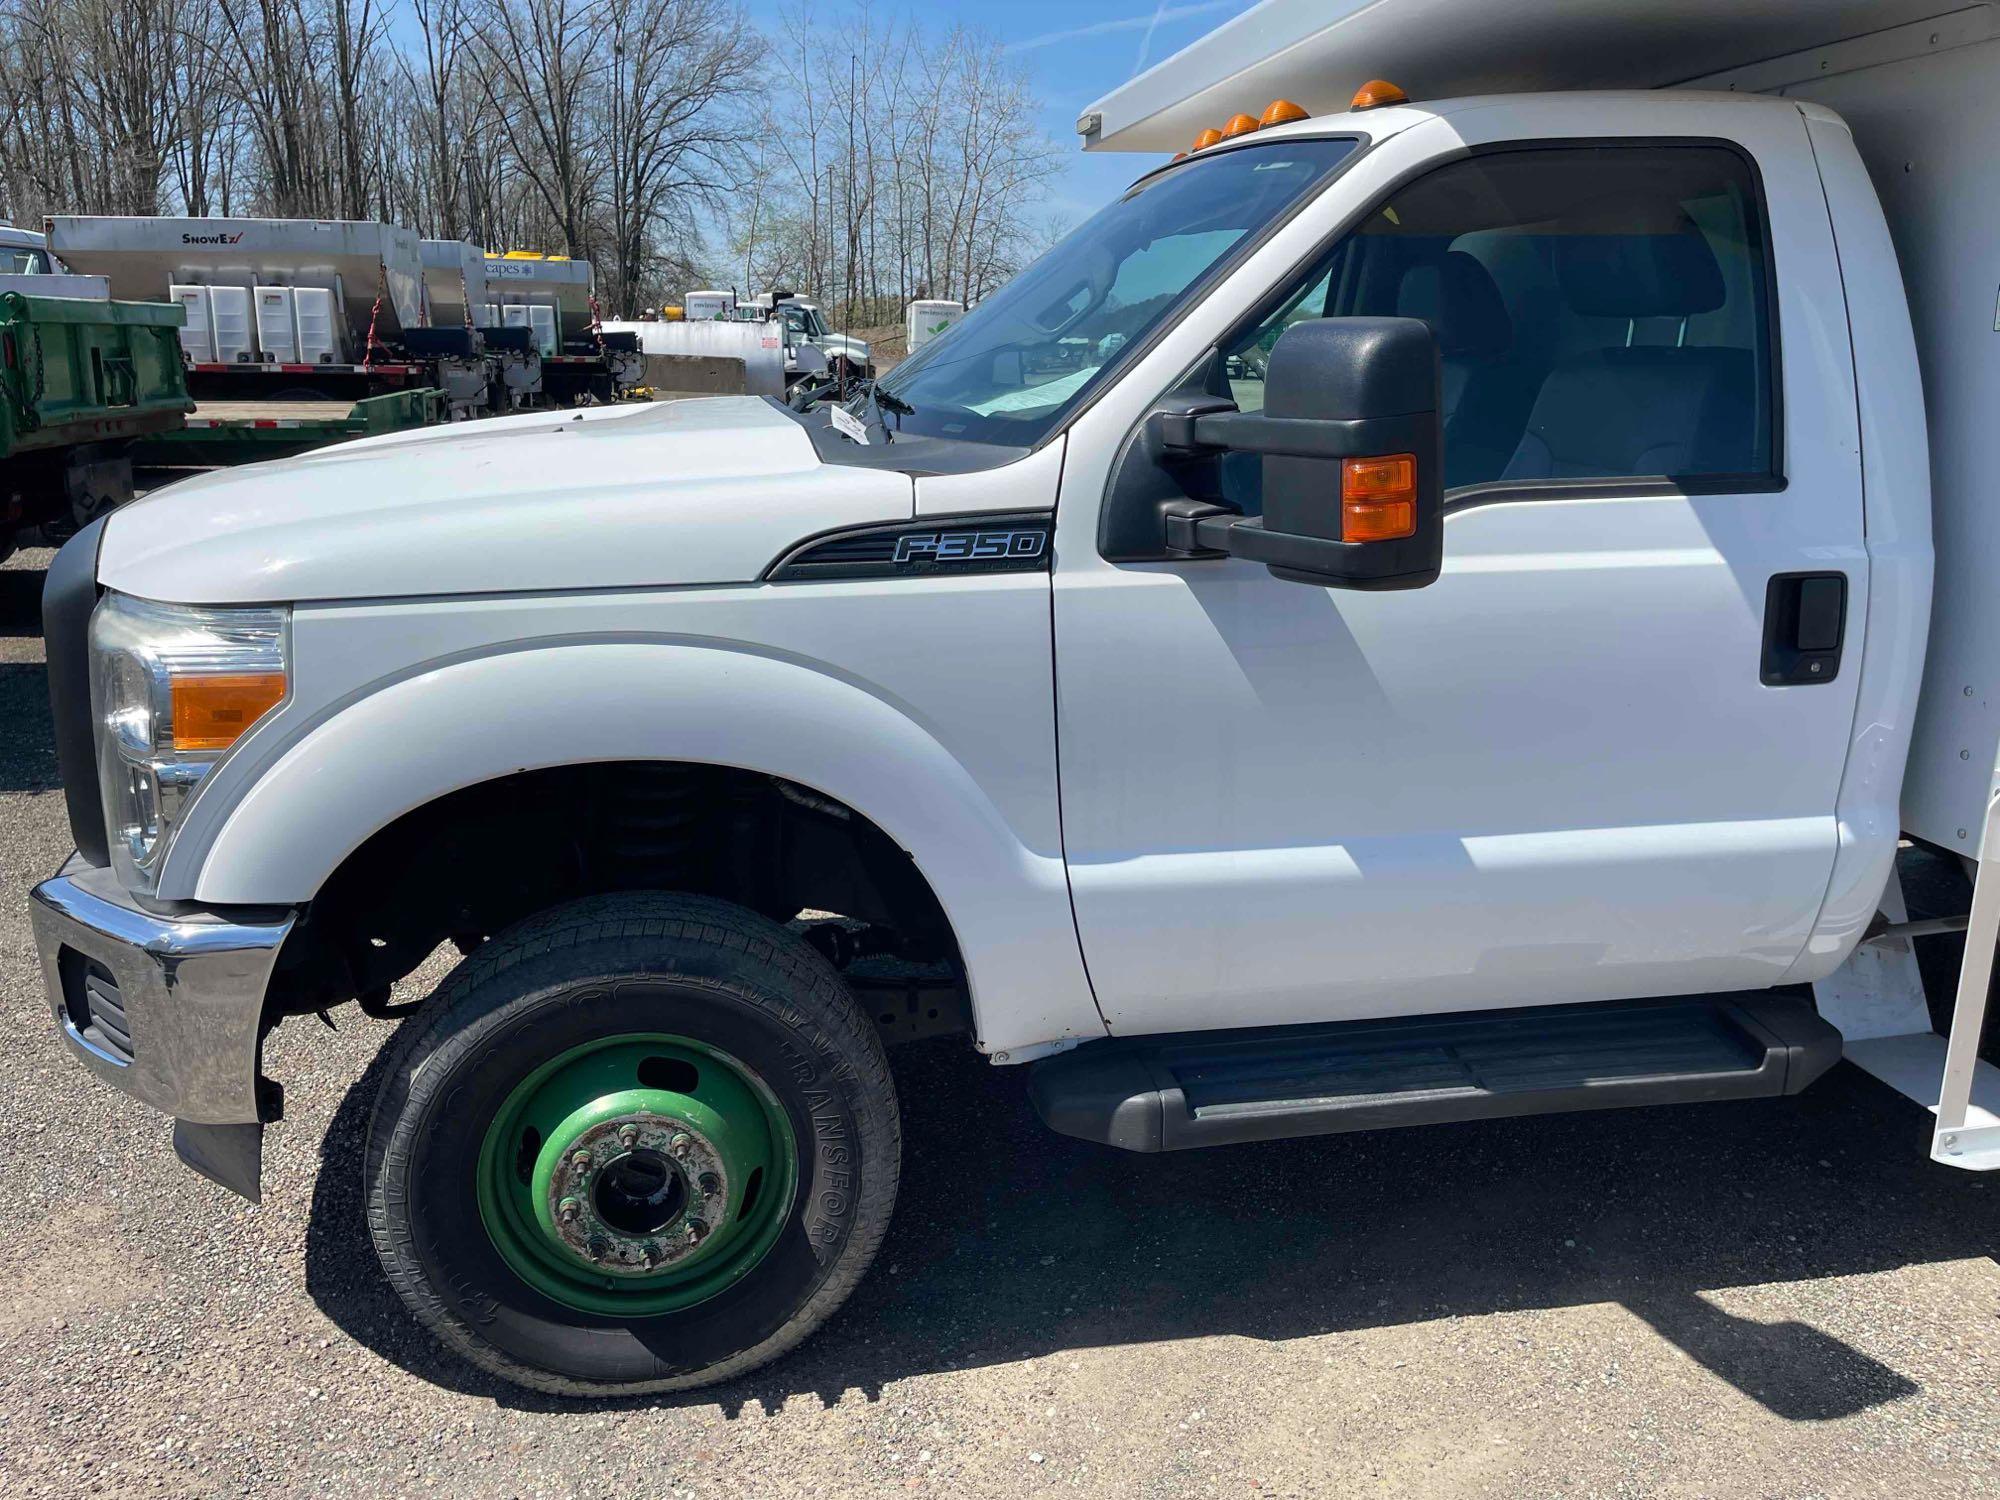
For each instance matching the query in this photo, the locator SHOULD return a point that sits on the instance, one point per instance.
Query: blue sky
(1075, 53)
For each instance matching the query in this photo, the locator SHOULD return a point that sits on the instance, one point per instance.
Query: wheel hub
(636, 1174)
(636, 1192)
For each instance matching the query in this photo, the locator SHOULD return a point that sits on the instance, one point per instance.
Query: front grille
(96, 1008)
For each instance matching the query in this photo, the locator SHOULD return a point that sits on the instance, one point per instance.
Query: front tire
(639, 1143)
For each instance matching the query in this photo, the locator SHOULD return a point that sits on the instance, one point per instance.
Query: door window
(1602, 312)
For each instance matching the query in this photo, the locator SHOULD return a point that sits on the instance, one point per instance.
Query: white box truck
(1420, 611)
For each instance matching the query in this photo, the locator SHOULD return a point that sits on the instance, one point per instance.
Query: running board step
(1214, 1088)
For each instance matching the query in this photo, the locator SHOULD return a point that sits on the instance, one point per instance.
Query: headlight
(171, 689)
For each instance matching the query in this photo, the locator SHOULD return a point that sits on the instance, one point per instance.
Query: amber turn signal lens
(1378, 498)
(1375, 93)
(212, 710)
(1206, 139)
(1281, 112)
(1239, 125)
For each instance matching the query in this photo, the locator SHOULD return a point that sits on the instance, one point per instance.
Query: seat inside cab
(1601, 311)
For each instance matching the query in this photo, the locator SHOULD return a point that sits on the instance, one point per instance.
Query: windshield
(804, 321)
(1015, 363)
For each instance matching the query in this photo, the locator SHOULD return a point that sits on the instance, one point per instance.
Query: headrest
(1654, 271)
(1456, 295)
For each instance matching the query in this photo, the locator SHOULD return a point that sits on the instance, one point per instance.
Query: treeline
(868, 159)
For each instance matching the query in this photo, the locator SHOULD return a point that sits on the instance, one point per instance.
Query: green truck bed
(75, 370)
(80, 379)
(237, 432)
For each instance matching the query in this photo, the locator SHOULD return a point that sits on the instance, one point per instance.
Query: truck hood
(853, 349)
(683, 492)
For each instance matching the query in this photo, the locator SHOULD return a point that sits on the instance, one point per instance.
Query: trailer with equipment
(554, 298)
(1424, 609)
(482, 369)
(80, 380)
(274, 307)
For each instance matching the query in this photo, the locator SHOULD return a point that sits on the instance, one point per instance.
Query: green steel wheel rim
(637, 1174)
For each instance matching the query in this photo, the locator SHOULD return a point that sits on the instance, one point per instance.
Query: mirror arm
(1216, 531)
(1197, 529)
(1232, 431)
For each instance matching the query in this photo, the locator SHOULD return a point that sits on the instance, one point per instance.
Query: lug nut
(679, 1145)
(580, 1160)
(628, 1136)
(568, 1209)
(695, 1230)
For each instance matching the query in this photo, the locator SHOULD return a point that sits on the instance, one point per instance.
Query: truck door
(1599, 756)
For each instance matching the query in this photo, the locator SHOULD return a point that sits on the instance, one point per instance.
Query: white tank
(926, 318)
(198, 326)
(543, 321)
(235, 339)
(319, 327)
(277, 325)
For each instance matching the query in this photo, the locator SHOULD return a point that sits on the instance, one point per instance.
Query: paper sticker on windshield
(848, 425)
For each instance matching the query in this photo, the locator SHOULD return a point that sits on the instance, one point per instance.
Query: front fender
(410, 741)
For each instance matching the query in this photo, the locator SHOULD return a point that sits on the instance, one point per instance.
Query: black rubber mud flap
(230, 1156)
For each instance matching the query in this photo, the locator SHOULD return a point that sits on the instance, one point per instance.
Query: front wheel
(639, 1143)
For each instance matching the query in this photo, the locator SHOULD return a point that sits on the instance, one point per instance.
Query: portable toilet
(705, 307)
(928, 317)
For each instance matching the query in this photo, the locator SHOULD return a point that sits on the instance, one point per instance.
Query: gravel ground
(1771, 1299)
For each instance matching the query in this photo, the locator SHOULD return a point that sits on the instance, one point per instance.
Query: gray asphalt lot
(1772, 1299)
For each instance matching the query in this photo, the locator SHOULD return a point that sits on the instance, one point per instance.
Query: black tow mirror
(1353, 454)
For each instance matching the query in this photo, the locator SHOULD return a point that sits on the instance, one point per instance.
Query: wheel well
(479, 859)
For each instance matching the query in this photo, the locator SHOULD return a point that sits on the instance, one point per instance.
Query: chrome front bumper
(167, 1008)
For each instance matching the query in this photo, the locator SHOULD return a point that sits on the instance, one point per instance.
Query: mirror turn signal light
(1375, 93)
(212, 709)
(1378, 498)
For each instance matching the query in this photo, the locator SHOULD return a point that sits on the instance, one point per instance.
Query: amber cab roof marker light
(1206, 139)
(1281, 112)
(1239, 125)
(1375, 93)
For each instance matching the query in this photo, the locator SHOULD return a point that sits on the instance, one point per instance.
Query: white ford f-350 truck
(1413, 613)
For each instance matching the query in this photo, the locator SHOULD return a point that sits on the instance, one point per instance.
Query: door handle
(1805, 621)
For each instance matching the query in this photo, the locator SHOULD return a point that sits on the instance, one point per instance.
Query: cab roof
(1316, 53)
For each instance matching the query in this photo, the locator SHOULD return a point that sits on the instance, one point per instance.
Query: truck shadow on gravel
(1010, 1242)
(27, 761)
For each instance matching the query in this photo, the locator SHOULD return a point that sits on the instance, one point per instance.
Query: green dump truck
(80, 379)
